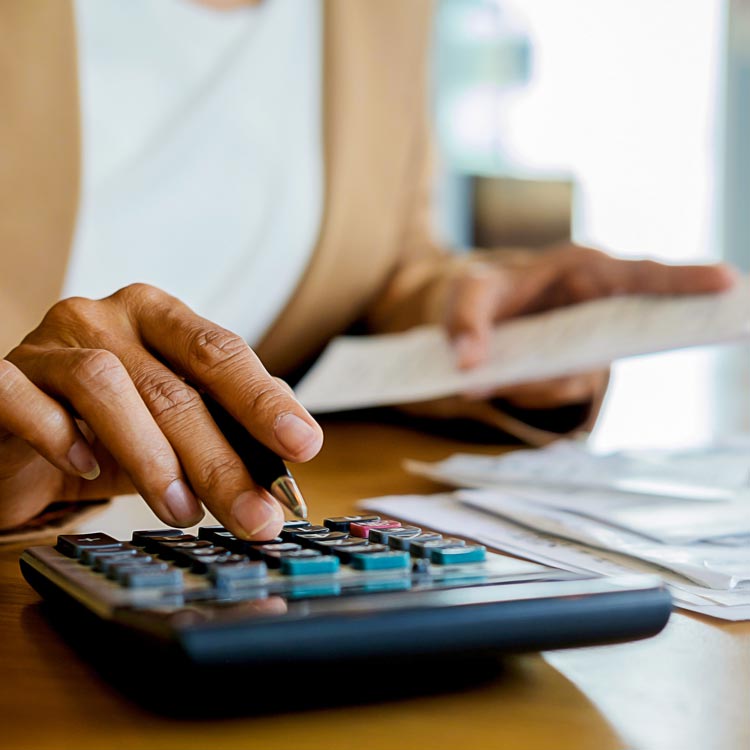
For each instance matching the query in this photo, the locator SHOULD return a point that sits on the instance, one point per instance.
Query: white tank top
(202, 153)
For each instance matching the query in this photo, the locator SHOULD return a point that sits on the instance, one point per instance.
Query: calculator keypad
(358, 554)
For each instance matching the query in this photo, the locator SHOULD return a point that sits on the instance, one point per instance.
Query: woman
(186, 185)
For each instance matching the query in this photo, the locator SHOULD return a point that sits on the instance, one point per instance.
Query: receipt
(364, 371)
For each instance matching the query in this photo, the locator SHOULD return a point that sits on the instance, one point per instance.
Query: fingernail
(297, 436)
(182, 504)
(254, 513)
(82, 459)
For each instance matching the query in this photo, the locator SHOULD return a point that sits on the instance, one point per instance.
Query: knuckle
(139, 292)
(265, 399)
(97, 366)
(71, 313)
(168, 398)
(217, 474)
(216, 350)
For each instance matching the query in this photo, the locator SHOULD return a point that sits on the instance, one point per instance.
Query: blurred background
(621, 124)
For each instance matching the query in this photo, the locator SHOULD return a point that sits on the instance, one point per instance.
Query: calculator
(350, 588)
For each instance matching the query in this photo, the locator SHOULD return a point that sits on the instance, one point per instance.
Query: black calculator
(352, 588)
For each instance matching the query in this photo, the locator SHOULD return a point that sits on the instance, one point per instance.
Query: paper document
(715, 473)
(444, 512)
(365, 371)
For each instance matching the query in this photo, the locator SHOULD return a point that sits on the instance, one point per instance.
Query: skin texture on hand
(103, 398)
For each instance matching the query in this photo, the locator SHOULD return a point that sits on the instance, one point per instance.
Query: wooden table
(688, 688)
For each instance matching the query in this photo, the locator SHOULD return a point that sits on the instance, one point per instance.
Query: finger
(43, 423)
(650, 277)
(554, 393)
(221, 362)
(470, 314)
(98, 387)
(213, 468)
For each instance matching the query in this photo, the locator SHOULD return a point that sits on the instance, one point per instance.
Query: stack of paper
(566, 507)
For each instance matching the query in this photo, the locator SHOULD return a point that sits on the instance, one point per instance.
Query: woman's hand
(101, 399)
(506, 286)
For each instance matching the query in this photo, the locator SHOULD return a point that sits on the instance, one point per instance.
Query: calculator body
(291, 607)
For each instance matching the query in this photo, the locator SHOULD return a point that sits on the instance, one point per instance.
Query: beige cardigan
(373, 238)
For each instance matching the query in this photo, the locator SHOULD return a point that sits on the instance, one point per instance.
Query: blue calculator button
(302, 565)
(148, 576)
(471, 553)
(380, 560)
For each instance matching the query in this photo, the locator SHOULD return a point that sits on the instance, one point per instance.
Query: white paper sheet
(356, 372)
(443, 512)
(706, 475)
(709, 565)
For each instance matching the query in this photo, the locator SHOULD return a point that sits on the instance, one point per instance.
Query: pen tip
(286, 491)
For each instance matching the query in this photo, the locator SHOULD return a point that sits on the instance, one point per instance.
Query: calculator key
(315, 541)
(213, 533)
(420, 566)
(117, 571)
(272, 553)
(363, 529)
(72, 545)
(403, 543)
(157, 543)
(347, 554)
(296, 525)
(199, 563)
(90, 555)
(139, 537)
(344, 549)
(222, 573)
(381, 536)
(273, 558)
(294, 534)
(380, 560)
(341, 523)
(326, 545)
(301, 565)
(182, 552)
(471, 553)
(421, 548)
(151, 577)
(102, 562)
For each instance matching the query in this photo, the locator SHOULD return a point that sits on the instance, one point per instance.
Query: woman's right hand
(101, 399)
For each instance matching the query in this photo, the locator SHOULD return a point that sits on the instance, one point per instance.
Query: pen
(265, 467)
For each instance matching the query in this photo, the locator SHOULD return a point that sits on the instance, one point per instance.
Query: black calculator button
(211, 533)
(72, 545)
(272, 553)
(381, 536)
(182, 552)
(158, 543)
(199, 563)
(344, 550)
(294, 534)
(403, 543)
(296, 525)
(363, 529)
(421, 548)
(140, 537)
(341, 523)
(315, 541)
